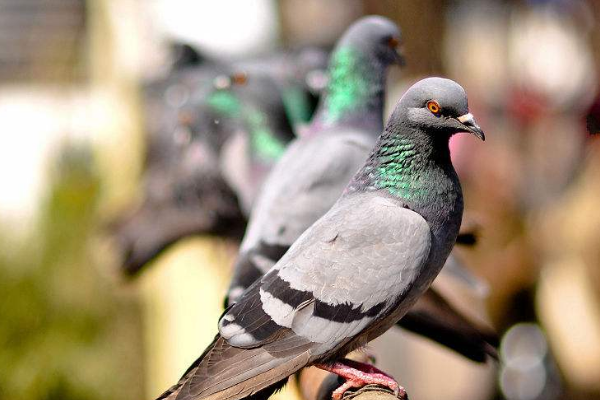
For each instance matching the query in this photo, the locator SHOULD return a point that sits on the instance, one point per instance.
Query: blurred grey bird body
(184, 192)
(263, 133)
(357, 270)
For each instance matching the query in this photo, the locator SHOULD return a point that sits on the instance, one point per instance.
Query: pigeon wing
(346, 271)
(433, 317)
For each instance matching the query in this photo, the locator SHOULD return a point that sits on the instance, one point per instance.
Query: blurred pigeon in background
(355, 272)
(264, 132)
(190, 128)
(184, 192)
(301, 75)
(187, 191)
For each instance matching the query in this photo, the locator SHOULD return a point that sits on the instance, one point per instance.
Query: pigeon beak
(400, 60)
(471, 126)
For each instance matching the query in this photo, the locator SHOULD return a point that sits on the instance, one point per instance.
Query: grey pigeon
(300, 74)
(187, 191)
(264, 132)
(316, 167)
(357, 270)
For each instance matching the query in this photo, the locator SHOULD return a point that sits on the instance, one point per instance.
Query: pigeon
(184, 191)
(317, 166)
(187, 187)
(300, 74)
(357, 270)
(264, 133)
(182, 200)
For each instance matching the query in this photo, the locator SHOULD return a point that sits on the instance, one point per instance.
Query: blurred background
(86, 86)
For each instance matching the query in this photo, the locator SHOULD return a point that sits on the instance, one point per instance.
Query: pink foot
(358, 374)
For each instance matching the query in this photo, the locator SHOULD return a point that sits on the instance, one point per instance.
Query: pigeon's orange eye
(239, 78)
(433, 106)
(393, 42)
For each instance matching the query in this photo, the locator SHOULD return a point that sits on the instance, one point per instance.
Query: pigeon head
(208, 119)
(255, 105)
(264, 116)
(412, 158)
(357, 71)
(438, 106)
(236, 94)
(376, 37)
(260, 92)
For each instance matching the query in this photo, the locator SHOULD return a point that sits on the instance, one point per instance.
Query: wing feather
(433, 317)
(225, 372)
(326, 301)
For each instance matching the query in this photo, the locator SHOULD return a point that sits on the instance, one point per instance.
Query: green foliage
(65, 333)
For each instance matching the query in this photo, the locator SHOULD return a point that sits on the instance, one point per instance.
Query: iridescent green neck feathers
(355, 89)
(264, 144)
(398, 169)
(348, 87)
(407, 168)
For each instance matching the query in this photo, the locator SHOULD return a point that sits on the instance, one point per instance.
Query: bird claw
(358, 375)
(339, 392)
(397, 390)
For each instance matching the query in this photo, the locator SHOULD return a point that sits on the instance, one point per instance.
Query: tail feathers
(172, 392)
(436, 319)
(455, 272)
(224, 372)
(267, 392)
